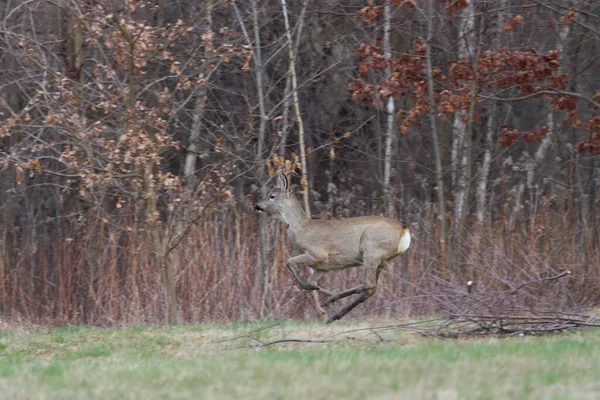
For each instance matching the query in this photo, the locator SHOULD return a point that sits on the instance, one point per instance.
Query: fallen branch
(546, 279)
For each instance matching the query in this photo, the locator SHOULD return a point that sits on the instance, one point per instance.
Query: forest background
(136, 137)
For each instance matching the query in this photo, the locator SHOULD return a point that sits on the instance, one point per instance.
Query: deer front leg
(308, 260)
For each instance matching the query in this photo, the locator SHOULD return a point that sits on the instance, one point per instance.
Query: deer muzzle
(259, 208)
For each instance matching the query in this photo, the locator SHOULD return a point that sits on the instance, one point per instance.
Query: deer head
(282, 203)
(277, 197)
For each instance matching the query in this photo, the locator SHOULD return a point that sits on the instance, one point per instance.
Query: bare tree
(292, 60)
(461, 136)
(390, 109)
(430, 15)
(197, 145)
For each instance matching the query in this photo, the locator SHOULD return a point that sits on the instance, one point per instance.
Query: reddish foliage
(370, 13)
(537, 135)
(420, 108)
(453, 101)
(574, 119)
(593, 129)
(502, 69)
(420, 47)
(365, 92)
(564, 103)
(570, 17)
(406, 77)
(530, 72)
(455, 6)
(373, 57)
(596, 98)
(512, 25)
(509, 136)
(405, 3)
(523, 68)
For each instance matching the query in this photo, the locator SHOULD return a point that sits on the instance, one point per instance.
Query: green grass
(186, 362)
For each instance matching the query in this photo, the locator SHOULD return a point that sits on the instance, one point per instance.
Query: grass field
(186, 362)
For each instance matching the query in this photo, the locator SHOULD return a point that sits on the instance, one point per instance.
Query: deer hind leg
(369, 283)
(366, 290)
(363, 296)
(384, 265)
(340, 295)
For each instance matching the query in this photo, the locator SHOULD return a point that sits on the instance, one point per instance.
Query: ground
(215, 362)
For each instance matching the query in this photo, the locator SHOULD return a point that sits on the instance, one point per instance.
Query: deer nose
(258, 208)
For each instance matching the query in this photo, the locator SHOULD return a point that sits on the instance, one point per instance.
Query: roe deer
(329, 245)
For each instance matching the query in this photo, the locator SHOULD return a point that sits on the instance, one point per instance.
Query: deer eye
(272, 196)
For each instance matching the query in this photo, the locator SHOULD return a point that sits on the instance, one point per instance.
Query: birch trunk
(390, 109)
(297, 110)
(285, 120)
(288, 86)
(195, 148)
(546, 143)
(484, 170)
(460, 135)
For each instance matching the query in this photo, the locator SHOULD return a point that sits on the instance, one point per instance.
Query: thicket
(136, 137)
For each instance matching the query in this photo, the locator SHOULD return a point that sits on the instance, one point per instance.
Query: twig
(549, 278)
(377, 334)
(282, 327)
(246, 335)
(293, 341)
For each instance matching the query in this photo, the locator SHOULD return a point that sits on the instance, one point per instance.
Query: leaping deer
(328, 245)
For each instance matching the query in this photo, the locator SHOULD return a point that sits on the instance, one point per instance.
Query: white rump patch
(404, 242)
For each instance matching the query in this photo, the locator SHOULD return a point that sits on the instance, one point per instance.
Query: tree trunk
(196, 147)
(304, 182)
(467, 154)
(288, 86)
(460, 135)
(439, 177)
(484, 170)
(258, 71)
(161, 259)
(546, 143)
(285, 120)
(390, 109)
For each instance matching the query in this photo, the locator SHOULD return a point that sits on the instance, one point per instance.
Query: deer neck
(294, 217)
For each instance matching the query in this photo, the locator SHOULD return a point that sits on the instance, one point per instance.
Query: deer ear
(283, 182)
